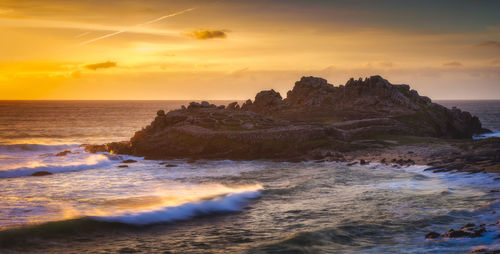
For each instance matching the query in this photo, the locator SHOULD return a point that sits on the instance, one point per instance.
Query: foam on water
(488, 135)
(226, 203)
(24, 160)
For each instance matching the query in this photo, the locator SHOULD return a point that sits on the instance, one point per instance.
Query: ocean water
(90, 205)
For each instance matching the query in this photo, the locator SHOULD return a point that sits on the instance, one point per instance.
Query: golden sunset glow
(232, 49)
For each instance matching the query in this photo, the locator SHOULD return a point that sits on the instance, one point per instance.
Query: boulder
(233, 106)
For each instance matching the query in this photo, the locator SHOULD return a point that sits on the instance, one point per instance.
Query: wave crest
(227, 203)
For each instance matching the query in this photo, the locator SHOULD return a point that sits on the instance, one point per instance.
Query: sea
(90, 205)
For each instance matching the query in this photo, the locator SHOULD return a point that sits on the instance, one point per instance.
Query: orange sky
(156, 49)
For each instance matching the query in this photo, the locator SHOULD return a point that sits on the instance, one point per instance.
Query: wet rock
(63, 153)
(94, 148)
(170, 165)
(41, 173)
(363, 162)
(129, 161)
(128, 250)
(494, 190)
(123, 166)
(456, 234)
(352, 163)
(432, 235)
(383, 161)
(160, 113)
(468, 225)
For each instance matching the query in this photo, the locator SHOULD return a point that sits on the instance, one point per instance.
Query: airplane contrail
(128, 29)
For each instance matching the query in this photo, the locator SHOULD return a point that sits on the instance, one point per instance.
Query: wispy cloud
(103, 65)
(138, 25)
(205, 34)
(493, 44)
(452, 64)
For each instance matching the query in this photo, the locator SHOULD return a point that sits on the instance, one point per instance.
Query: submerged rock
(41, 173)
(129, 161)
(63, 153)
(432, 235)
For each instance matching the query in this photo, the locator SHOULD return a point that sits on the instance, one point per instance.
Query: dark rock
(129, 161)
(432, 235)
(63, 153)
(170, 165)
(494, 190)
(123, 166)
(94, 148)
(265, 101)
(233, 106)
(160, 113)
(41, 173)
(456, 234)
(315, 116)
(469, 225)
(383, 161)
(363, 162)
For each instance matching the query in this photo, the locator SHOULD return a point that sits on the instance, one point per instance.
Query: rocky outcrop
(314, 118)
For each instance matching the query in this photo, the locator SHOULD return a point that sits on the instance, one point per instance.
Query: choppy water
(91, 205)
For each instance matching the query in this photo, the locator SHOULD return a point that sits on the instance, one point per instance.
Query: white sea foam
(487, 135)
(55, 165)
(23, 148)
(227, 203)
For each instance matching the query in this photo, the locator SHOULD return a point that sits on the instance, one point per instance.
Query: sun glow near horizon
(232, 49)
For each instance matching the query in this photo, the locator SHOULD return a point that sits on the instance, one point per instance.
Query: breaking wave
(89, 162)
(227, 203)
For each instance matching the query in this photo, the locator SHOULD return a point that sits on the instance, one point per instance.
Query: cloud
(493, 44)
(494, 61)
(386, 64)
(103, 65)
(205, 34)
(452, 64)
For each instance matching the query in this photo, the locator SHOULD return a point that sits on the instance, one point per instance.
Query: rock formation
(315, 117)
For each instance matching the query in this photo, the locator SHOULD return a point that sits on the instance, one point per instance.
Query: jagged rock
(314, 118)
(233, 106)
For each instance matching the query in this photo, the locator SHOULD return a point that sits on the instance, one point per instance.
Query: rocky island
(365, 120)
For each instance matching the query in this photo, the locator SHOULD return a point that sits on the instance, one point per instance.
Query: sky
(231, 49)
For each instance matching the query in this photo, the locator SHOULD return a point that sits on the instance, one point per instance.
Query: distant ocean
(90, 205)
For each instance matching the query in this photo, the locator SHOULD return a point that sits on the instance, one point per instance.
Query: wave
(17, 148)
(488, 135)
(35, 234)
(228, 203)
(91, 162)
